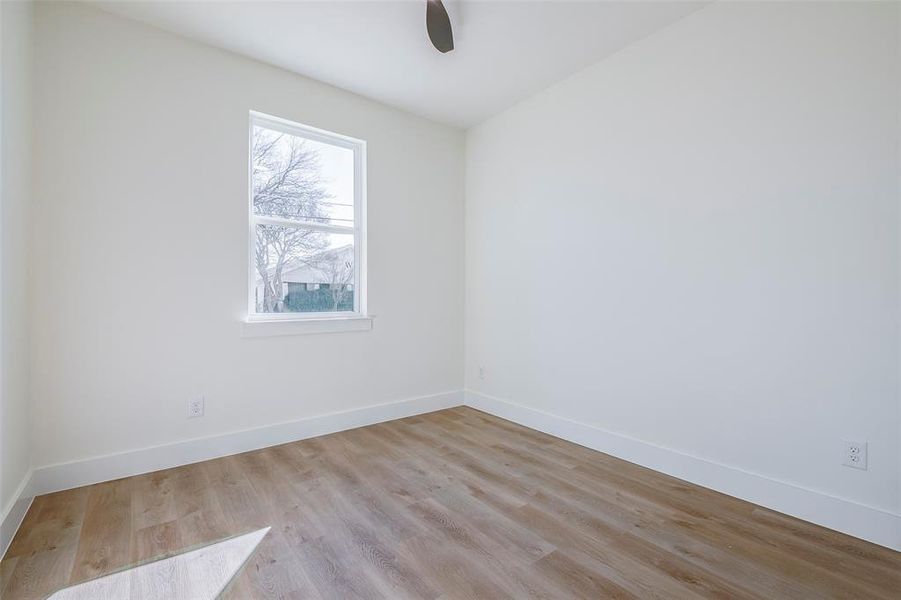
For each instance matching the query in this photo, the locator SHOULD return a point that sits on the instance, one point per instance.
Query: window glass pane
(297, 269)
(297, 178)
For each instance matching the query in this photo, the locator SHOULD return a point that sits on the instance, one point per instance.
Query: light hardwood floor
(453, 504)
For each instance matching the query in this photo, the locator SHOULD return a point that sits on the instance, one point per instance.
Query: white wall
(140, 256)
(695, 244)
(15, 178)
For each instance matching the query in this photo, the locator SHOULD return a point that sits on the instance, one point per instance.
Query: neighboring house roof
(311, 271)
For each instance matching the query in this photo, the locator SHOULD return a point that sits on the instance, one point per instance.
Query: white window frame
(316, 322)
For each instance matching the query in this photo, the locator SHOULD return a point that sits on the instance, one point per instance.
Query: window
(307, 222)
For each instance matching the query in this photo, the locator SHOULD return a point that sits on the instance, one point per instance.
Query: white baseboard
(869, 523)
(865, 522)
(14, 512)
(68, 475)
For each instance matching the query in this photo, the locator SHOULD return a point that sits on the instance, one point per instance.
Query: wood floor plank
(657, 528)
(38, 574)
(335, 573)
(579, 579)
(7, 566)
(451, 504)
(274, 571)
(458, 532)
(810, 578)
(53, 521)
(105, 541)
(458, 575)
(154, 542)
(154, 499)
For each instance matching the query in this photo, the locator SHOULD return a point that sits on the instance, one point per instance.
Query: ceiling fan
(438, 25)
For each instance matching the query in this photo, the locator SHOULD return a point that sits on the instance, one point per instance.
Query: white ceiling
(505, 50)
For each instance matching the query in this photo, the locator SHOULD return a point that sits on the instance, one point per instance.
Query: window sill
(274, 327)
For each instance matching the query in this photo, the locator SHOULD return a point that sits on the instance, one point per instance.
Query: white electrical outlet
(855, 455)
(481, 372)
(195, 407)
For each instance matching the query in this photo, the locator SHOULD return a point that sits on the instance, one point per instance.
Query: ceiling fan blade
(437, 23)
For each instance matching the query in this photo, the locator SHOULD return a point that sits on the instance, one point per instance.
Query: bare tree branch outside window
(339, 274)
(287, 183)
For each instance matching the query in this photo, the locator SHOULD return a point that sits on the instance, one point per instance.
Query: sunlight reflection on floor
(199, 574)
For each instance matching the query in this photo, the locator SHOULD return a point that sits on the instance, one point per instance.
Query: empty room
(450, 299)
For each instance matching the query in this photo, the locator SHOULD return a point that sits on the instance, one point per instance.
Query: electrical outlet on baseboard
(855, 454)
(195, 407)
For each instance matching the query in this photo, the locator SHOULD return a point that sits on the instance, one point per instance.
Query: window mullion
(281, 222)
